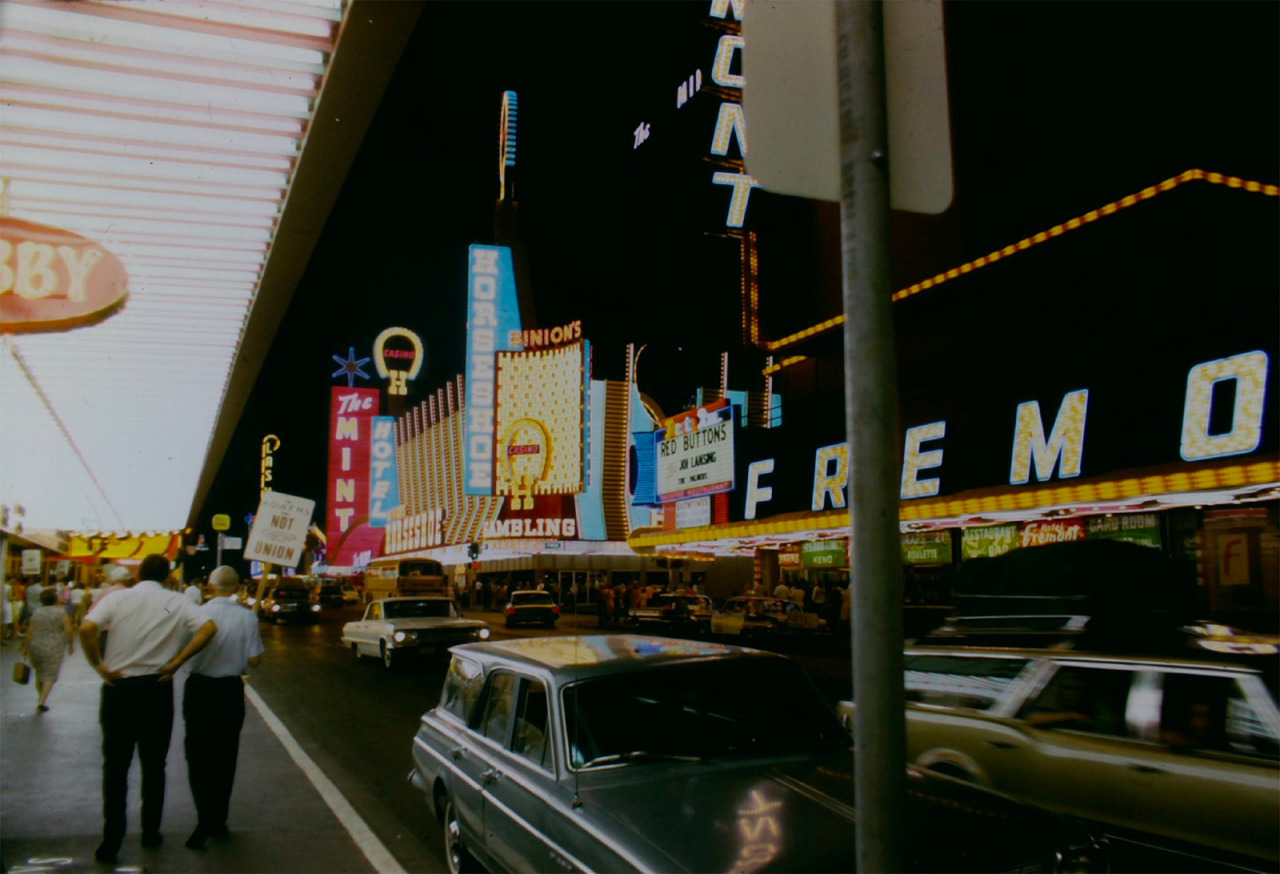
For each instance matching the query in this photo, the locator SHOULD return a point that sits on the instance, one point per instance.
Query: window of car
(499, 706)
(433, 608)
(530, 599)
(462, 687)
(375, 612)
(710, 709)
(289, 594)
(1212, 713)
(974, 682)
(1083, 698)
(530, 737)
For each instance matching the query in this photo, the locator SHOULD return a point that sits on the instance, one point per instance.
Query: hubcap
(452, 840)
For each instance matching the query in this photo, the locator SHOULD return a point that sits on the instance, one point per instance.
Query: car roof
(577, 656)
(1199, 659)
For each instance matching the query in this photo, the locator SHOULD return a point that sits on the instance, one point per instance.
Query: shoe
(220, 831)
(42, 708)
(106, 853)
(197, 839)
(152, 839)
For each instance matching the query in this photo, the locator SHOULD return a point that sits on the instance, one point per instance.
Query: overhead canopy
(202, 145)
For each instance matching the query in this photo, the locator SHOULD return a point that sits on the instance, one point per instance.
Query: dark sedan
(531, 607)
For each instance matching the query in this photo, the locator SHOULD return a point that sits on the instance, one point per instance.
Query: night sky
(1056, 108)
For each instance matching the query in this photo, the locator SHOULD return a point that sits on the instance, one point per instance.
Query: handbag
(21, 673)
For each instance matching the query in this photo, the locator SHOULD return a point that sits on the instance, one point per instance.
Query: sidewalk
(51, 793)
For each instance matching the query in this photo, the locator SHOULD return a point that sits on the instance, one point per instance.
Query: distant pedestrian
(48, 640)
(148, 626)
(213, 705)
(34, 588)
(7, 633)
(194, 595)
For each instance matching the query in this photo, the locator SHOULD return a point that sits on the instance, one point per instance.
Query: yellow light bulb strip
(1043, 236)
(1032, 500)
(786, 362)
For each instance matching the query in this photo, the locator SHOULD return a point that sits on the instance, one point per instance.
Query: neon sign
(493, 314)
(53, 280)
(270, 444)
(398, 378)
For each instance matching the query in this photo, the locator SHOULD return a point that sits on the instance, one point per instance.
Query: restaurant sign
(54, 280)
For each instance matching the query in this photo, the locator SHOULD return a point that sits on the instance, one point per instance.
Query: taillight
(511, 611)
(555, 608)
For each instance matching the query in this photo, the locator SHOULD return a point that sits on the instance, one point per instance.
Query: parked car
(1177, 751)
(531, 606)
(674, 612)
(763, 616)
(393, 628)
(289, 601)
(350, 595)
(329, 595)
(647, 753)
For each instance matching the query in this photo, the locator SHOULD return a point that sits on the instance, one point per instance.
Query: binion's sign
(54, 280)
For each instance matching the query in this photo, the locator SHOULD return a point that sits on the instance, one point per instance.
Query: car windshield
(525, 599)
(289, 594)
(419, 569)
(749, 707)
(434, 608)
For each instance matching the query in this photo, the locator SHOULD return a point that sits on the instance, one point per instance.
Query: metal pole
(871, 415)
(218, 562)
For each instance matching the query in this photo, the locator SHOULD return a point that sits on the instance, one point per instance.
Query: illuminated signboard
(53, 280)
(695, 455)
(493, 313)
(541, 412)
(926, 547)
(988, 542)
(270, 444)
(398, 366)
(353, 539)
(731, 124)
(1140, 528)
(384, 485)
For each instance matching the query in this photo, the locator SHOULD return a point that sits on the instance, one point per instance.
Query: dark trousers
(213, 710)
(135, 711)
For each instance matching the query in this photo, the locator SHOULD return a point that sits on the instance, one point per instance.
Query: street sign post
(791, 102)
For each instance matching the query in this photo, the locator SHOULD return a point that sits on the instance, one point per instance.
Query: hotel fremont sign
(55, 280)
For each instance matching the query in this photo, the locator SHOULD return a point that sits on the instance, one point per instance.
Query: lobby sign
(54, 280)
(1140, 528)
(279, 532)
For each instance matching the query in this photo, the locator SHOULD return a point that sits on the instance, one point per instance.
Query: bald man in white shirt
(153, 632)
(213, 705)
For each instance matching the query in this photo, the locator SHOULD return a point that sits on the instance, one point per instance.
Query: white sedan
(394, 627)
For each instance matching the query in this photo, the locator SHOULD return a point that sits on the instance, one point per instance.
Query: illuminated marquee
(270, 444)
(419, 531)
(493, 313)
(540, 421)
(695, 453)
(1056, 452)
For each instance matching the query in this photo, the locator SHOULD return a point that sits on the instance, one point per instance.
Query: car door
(1084, 757)
(1208, 771)
(508, 772)
(365, 631)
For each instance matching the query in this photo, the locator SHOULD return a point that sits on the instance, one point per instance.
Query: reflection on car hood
(798, 815)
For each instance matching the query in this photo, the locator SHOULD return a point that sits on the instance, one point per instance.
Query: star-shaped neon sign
(351, 366)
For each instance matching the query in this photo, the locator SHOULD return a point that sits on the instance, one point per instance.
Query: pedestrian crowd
(136, 632)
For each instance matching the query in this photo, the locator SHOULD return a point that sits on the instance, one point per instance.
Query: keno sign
(53, 280)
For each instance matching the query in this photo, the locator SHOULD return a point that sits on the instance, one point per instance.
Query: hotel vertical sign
(493, 315)
(352, 411)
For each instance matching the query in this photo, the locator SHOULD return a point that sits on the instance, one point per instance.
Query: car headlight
(483, 634)
(315, 608)
(275, 608)
(402, 636)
